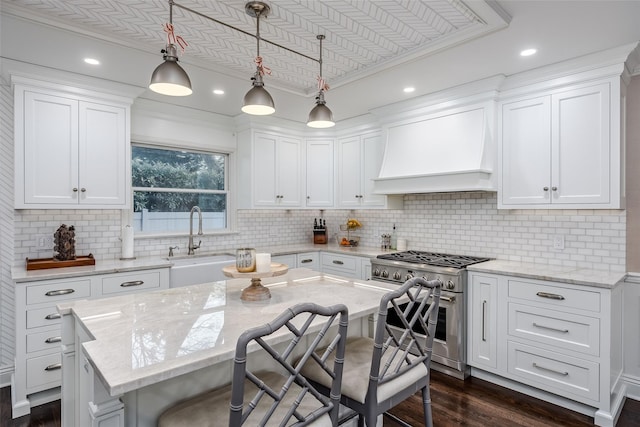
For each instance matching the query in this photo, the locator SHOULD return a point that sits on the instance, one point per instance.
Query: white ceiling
(372, 48)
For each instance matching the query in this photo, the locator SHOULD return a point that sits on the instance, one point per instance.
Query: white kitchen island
(126, 359)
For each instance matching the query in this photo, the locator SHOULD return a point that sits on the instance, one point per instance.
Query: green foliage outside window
(155, 172)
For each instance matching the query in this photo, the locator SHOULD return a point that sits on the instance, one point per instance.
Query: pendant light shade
(321, 116)
(258, 101)
(169, 78)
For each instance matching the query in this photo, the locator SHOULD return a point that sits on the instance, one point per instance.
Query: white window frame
(127, 215)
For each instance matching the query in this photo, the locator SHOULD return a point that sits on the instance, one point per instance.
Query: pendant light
(258, 101)
(321, 116)
(169, 78)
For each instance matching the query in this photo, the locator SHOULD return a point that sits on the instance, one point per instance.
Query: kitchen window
(167, 183)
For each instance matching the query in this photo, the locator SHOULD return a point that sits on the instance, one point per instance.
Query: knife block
(320, 236)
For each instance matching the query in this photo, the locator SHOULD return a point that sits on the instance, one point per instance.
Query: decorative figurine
(65, 243)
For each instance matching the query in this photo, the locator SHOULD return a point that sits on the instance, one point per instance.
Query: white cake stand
(256, 291)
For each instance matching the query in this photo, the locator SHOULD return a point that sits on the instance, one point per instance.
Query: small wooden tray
(42, 263)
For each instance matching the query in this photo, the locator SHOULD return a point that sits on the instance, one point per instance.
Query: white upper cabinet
(70, 151)
(359, 160)
(320, 182)
(562, 149)
(270, 170)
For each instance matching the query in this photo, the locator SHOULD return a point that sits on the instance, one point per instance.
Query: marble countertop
(21, 274)
(362, 251)
(556, 273)
(141, 339)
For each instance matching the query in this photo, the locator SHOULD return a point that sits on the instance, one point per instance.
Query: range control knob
(396, 275)
(385, 274)
(376, 272)
(450, 284)
(408, 276)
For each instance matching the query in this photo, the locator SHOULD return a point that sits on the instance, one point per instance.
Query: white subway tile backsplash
(464, 223)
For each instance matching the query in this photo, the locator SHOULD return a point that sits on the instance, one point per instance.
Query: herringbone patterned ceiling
(362, 37)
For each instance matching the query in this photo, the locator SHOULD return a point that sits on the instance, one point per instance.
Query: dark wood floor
(455, 403)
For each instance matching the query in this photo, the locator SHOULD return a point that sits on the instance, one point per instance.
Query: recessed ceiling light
(528, 52)
(218, 91)
(408, 89)
(91, 61)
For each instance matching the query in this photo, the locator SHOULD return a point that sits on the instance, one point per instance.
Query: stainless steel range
(449, 346)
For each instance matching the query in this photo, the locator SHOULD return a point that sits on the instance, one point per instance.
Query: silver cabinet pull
(550, 296)
(545, 188)
(83, 190)
(564, 331)
(53, 367)
(132, 283)
(59, 292)
(53, 316)
(484, 327)
(554, 188)
(305, 261)
(52, 340)
(335, 261)
(563, 373)
(75, 190)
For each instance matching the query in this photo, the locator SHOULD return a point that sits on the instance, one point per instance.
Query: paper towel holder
(122, 240)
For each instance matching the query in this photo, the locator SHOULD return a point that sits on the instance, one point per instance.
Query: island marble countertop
(555, 273)
(142, 339)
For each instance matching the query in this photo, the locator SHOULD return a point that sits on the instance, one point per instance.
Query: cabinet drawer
(133, 282)
(59, 291)
(554, 372)
(344, 264)
(559, 329)
(555, 295)
(44, 372)
(42, 317)
(47, 340)
(309, 260)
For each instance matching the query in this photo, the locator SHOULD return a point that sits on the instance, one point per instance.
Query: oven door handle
(445, 298)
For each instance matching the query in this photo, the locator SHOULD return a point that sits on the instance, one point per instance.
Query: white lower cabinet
(343, 265)
(310, 260)
(562, 340)
(483, 328)
(38, 360)
(290, 260)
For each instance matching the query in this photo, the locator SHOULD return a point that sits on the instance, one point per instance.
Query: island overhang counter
(126, 359)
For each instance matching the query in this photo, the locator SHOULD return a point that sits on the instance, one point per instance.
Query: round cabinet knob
(396, 275)
(554, 188)
(75, 190)
(84, 190)
(385, 274)
(546, 188)
(450, 284)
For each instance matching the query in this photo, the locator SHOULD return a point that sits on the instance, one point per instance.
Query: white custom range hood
(445, 147)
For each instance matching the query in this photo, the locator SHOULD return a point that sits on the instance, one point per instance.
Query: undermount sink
(201, 268)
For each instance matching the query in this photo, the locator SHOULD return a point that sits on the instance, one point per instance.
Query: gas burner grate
(433, 258)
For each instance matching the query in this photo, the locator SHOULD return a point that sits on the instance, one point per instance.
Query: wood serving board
(42, 263)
